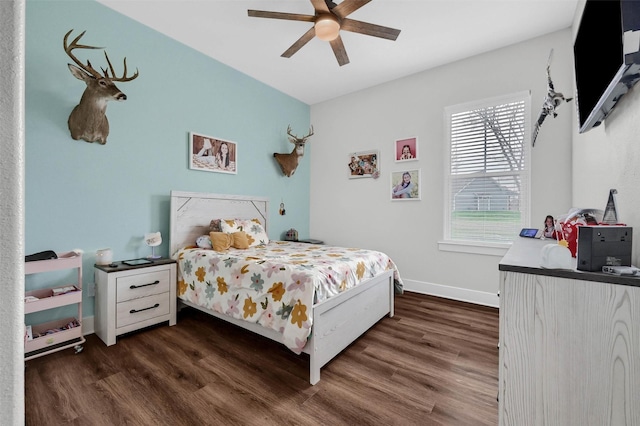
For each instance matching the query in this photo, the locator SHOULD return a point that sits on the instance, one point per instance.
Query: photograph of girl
(211, 154)
(406, 149)
(405, 185)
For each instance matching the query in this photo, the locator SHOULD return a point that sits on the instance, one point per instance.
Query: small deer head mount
(289, 162)
(88, 120)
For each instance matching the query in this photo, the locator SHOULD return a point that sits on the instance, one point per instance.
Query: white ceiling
(434, 32)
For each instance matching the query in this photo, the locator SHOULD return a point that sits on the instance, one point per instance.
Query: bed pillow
(254, 230)
(240, 240)
(220, 241)
(214, 225)
(204, 242)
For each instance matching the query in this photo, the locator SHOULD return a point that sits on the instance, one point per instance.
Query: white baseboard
(454, 293)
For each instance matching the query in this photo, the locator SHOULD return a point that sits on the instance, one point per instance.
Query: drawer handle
(133, 286)
(135, 311)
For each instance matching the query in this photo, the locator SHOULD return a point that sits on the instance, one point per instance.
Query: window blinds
(488, 173)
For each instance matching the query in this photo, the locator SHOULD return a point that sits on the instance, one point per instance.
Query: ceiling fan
(328, 20)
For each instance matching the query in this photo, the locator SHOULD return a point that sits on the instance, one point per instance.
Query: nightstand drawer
(137, 310)
(142, 285)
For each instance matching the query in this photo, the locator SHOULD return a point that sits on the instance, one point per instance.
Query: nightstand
(129, 298)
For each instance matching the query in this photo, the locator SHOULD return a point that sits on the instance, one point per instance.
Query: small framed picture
(406, 149)
(212, 154)
(364, 164)
(405, 185)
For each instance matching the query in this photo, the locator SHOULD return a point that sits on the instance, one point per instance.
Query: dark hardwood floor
(434, 363)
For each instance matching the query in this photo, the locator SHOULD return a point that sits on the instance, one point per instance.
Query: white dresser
(129, 298)
(569, 344)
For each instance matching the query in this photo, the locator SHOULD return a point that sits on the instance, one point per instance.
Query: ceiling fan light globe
(327, 29)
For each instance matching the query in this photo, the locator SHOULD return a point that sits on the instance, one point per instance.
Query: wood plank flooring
(434, 363)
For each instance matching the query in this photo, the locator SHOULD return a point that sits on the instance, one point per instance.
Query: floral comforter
(275, 285)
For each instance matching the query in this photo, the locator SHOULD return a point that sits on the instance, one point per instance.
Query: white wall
(358, 212)
(608, 157)
(12, 23)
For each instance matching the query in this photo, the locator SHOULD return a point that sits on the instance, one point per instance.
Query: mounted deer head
(88, 120)
(289, 162)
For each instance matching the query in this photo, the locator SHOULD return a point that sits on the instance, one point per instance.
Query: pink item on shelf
(64, 290)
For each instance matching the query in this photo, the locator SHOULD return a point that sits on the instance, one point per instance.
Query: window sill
(473, 247)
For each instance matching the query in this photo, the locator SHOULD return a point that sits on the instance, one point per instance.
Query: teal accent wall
(89, 196)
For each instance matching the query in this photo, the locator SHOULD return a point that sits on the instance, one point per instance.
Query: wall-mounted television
(607, 57)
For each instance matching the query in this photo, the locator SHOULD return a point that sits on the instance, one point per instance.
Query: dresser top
(524, 257)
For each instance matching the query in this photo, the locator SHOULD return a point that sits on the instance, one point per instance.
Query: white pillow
(204, 242)
(252, 227)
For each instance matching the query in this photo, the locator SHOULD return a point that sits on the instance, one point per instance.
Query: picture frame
(406, 149)
(405, 190)
(207, 153)
(364, 164)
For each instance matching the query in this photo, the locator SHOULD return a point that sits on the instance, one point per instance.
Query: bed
(314, 299)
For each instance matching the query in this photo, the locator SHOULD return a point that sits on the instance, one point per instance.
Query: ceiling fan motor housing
(327, 27)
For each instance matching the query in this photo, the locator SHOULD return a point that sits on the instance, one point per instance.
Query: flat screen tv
(607, 57)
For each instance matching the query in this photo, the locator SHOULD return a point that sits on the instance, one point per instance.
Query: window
(487, 170)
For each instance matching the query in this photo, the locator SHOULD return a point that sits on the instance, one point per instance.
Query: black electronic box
(600, 246)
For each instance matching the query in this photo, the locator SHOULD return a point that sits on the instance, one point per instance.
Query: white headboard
(192, 212)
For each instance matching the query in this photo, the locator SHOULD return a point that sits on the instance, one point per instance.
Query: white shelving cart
(45, 338)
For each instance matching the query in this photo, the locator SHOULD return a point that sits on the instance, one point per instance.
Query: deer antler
(74, 45)
(113, 73)
(88, 67)
(295, 139)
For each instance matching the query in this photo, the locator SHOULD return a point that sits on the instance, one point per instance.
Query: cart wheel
(78, 348)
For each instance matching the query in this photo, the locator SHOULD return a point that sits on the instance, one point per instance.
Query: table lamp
(153, 240)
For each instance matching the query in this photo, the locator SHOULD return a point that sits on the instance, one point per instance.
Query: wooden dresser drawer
(142, 285)
(137, 310)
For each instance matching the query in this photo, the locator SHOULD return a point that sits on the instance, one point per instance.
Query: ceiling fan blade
(299, 43)
(339, 51)
(347, 7)
(280, 15)
(369, 29)
(320, 6)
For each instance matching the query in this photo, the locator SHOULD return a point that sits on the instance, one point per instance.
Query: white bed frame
(337, 322)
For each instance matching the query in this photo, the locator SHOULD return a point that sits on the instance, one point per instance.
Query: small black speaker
(600, 246)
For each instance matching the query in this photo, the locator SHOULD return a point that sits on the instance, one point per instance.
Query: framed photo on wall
(406, 149)
(364, 164)
(405, 185)
(212, 154)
